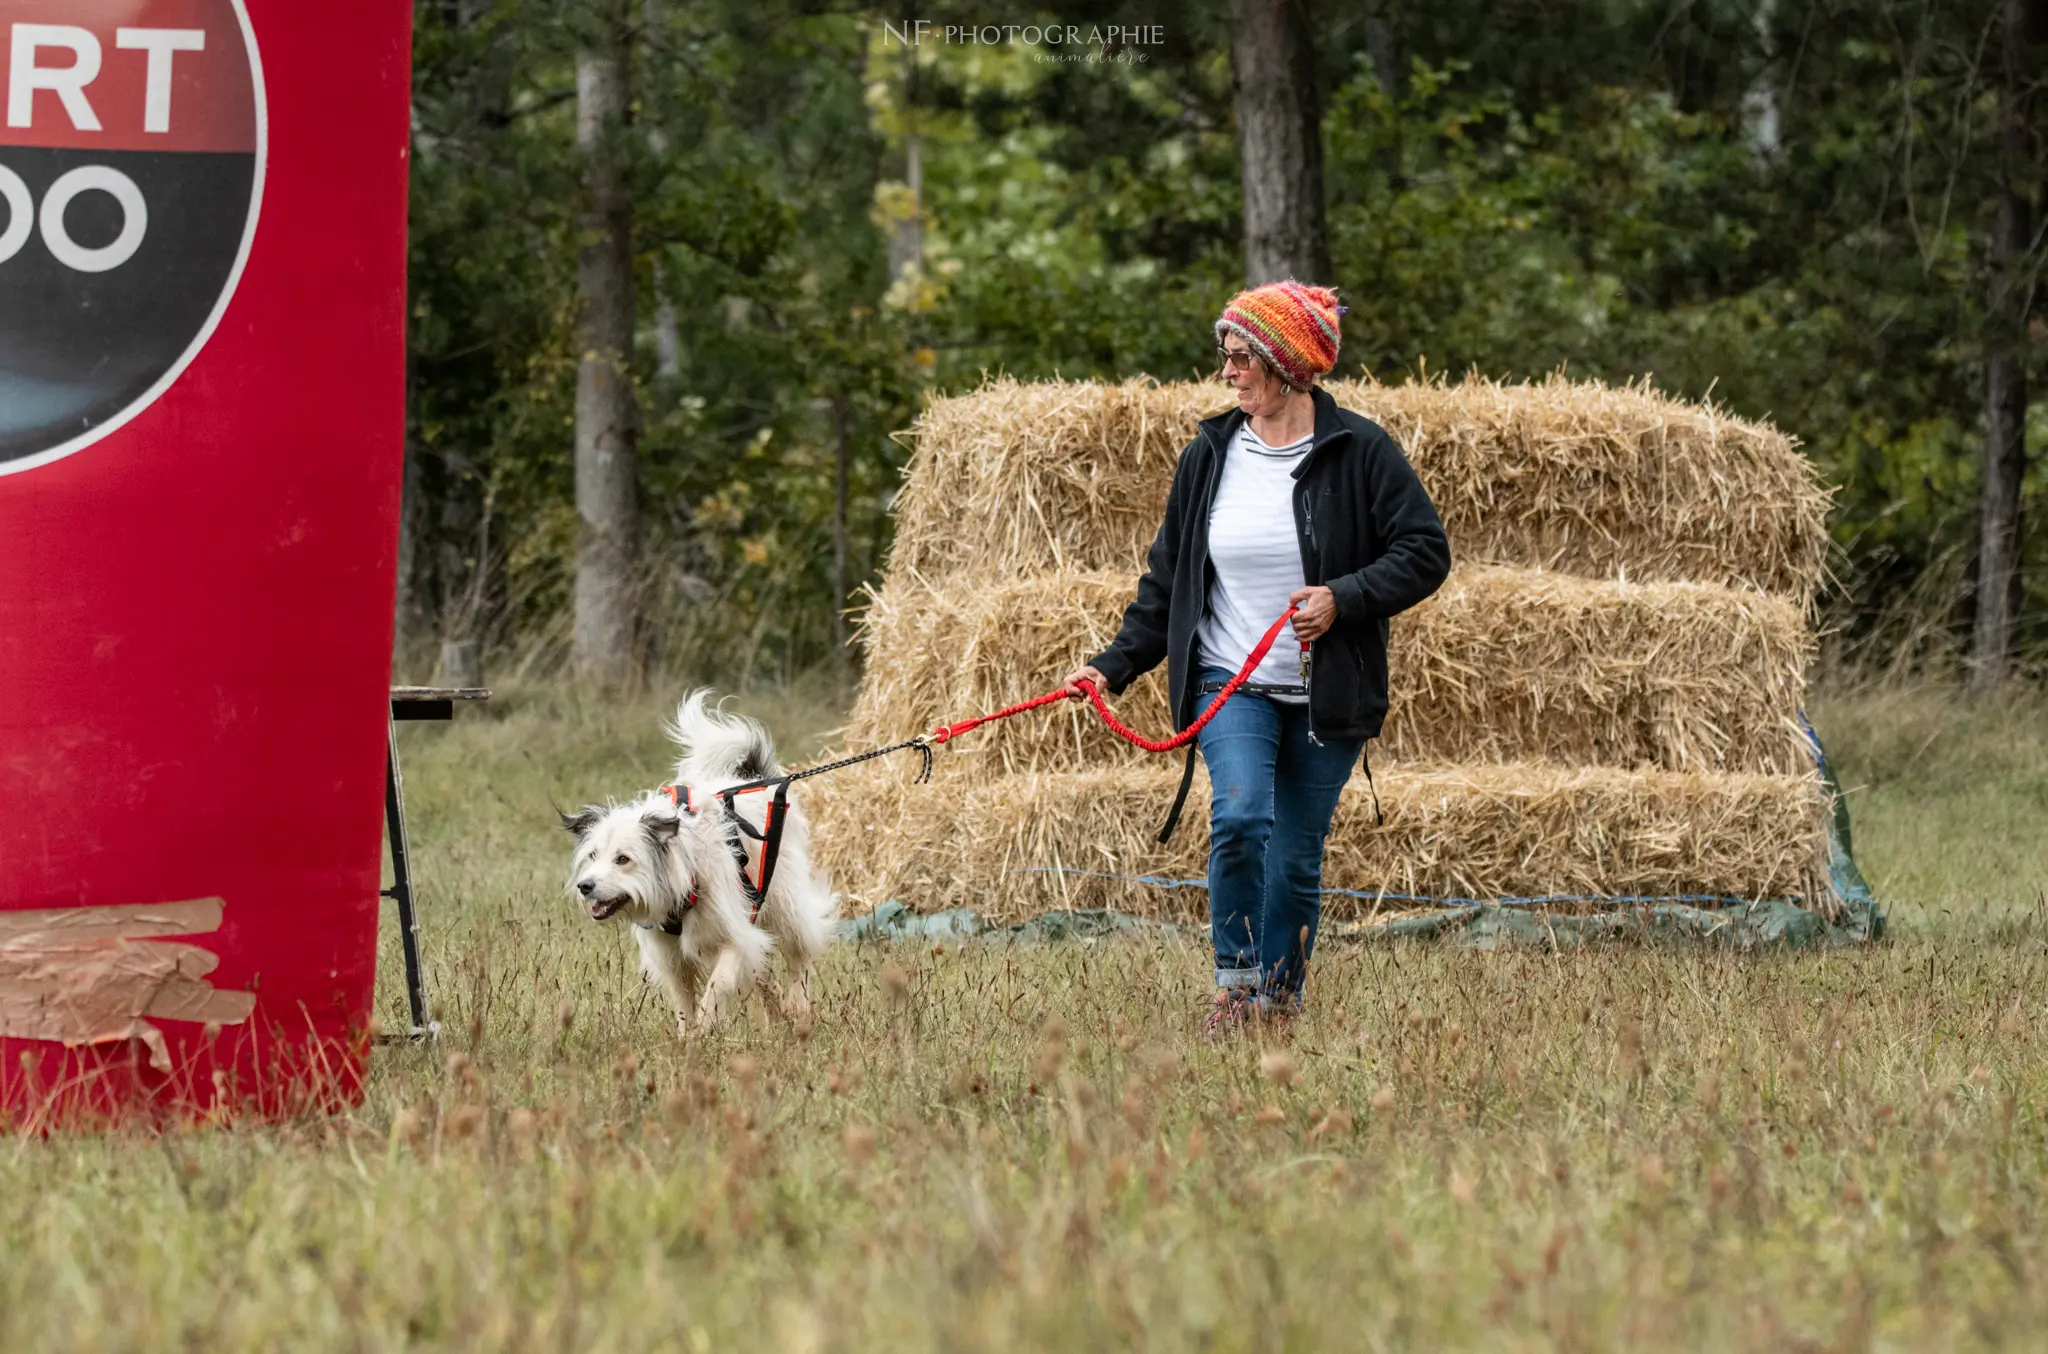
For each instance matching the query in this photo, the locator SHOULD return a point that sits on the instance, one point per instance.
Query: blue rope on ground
(1606, 900)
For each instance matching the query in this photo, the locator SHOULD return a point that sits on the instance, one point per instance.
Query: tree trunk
(1279, 137)
(1383, 45)
(668, 338)
(2005, 375)
(668, 341)
(906, 238)
(1761, 119)
(906, 234)
(842, 449)
(607, 594)
(408, 614)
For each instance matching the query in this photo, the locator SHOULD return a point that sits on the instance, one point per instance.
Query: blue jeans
(1271, 796)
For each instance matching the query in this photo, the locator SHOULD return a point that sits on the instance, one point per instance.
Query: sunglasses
(1241, 358)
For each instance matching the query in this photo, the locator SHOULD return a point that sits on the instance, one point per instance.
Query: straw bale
(1501, 665)
(1518, 830)
(1581, 477)
(1599, 702)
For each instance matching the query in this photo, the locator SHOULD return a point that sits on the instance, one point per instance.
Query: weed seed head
(1335, 1123)
(1277, 1066)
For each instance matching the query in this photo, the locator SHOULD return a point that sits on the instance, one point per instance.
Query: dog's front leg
(662, 960)
(719, 987)
(796, 997)
(685, 999)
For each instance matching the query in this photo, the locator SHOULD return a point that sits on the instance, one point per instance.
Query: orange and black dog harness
(769, 834)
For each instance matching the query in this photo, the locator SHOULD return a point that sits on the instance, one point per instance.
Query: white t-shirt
(1258, 560)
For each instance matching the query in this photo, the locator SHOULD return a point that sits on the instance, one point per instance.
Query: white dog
(668, 866)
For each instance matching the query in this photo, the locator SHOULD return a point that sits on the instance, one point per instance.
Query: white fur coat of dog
(656, 866)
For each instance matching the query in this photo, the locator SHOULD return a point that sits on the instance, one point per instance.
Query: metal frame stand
(400, 892)
(412, 703)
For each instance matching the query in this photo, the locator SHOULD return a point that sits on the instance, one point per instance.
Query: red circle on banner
(132, 139)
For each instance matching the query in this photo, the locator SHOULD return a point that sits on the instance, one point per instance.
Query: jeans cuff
(1237, 977)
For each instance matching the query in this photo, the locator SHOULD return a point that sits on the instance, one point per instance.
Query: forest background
(682, 271)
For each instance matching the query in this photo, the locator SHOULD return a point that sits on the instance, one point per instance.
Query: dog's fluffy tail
(717, 746)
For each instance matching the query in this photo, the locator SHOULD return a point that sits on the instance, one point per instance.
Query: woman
(1285, 500)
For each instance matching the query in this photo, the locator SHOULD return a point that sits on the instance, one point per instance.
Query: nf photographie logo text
(917, 32)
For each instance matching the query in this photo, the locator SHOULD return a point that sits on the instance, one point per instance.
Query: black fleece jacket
(1367, 531)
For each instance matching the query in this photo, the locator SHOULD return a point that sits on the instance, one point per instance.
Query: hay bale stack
(1481, 831)
(1600, 702)
(1578, 477)
(1501, 665)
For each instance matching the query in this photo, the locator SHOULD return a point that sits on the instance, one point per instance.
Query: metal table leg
(400, 892)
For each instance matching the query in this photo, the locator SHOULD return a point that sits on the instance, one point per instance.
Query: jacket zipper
(1308, 671)
(1192, 700)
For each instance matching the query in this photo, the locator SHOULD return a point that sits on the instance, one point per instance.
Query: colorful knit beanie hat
(1294, 327)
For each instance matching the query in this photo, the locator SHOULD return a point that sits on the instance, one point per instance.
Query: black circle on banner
(132, 150)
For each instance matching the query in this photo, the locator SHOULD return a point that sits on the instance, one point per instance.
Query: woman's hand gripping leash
(1315, 611)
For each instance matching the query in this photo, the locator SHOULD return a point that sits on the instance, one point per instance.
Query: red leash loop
(1257, 656)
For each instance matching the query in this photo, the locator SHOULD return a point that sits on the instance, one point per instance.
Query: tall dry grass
(984, 1148)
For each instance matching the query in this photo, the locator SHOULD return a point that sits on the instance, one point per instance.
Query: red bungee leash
(947, 732)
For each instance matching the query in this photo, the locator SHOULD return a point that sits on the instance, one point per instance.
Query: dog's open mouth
(602, 909)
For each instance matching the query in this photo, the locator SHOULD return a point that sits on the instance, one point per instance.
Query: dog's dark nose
(586, 887)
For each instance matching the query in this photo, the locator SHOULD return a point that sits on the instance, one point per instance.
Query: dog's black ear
(580, 823)
(661, 827)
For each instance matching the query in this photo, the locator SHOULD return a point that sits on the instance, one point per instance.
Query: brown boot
(1232, 1009)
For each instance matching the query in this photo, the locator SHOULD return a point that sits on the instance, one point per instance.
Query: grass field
(990, 1149)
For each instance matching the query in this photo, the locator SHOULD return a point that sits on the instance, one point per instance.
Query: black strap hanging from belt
(1187, 772)
(1187, 775)
(1365, 760)
(1180, 798)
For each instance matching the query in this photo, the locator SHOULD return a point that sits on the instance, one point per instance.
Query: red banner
(202, 301)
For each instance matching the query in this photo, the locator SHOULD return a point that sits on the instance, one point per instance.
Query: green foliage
(751, 167)
(1084, 219)
(1588, 188)
(1624, 235)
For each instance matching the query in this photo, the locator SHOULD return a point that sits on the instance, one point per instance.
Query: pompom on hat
(1293, 326)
